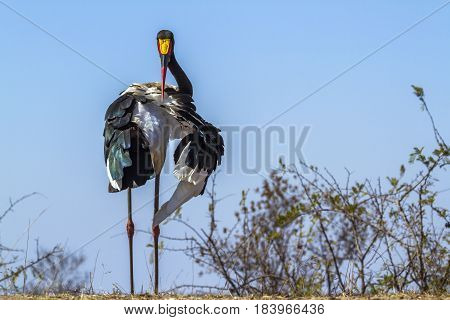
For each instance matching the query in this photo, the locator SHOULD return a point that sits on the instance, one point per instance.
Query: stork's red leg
(130, 232)
(156, 231)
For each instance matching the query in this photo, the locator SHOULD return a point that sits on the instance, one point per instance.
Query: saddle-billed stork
(138, 127)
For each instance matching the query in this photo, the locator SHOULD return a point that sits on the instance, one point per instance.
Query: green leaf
(402, 170)
(418, 91)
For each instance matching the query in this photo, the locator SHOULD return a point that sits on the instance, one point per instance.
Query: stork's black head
(165, 44)
(165, 34)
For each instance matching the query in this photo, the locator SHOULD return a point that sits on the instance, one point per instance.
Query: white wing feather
(184, 192)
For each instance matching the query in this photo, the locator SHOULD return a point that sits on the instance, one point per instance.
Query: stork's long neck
(184, 84)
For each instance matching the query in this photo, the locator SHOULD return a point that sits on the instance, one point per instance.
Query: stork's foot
(156, 231)
(130, 228)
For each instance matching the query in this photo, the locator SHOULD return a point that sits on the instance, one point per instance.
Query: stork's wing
(196, 157)
(127, 154)
(201, 146)
(198, 152)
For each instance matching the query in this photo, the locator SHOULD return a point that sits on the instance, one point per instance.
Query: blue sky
(248, 63)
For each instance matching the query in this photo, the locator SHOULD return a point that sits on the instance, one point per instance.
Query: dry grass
(399, 296)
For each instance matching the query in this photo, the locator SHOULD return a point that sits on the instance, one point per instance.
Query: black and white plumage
(138, 129)
(127, 153)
